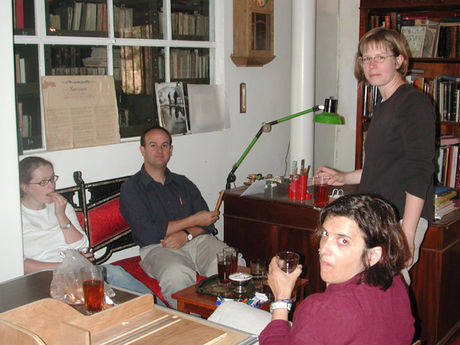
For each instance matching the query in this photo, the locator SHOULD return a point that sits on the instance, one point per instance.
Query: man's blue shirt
(148, 205)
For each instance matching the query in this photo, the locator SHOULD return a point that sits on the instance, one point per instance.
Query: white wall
(11, 244)
(337, 36)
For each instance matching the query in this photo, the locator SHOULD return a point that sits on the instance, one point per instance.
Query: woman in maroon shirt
(362, 250)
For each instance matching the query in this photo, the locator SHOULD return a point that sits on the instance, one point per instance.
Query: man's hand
(205, 218)
(175, 240)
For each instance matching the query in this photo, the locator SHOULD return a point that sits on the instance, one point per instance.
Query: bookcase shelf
(78, 37)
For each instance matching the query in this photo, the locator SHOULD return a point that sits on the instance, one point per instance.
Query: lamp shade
(328, 118)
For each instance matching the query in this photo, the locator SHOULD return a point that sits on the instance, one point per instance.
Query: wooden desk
(260, 227)
(436, 280)
(191, 301)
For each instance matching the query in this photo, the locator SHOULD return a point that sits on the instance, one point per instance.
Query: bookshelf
(395, 14)
(138, 42)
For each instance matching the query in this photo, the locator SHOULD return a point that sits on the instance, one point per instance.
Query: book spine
(19, 14)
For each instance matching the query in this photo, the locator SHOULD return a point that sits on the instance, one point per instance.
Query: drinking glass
(224, 264)
(258, 272)
(232, 254)
(287, 261)
(93, 288)
(320, 191)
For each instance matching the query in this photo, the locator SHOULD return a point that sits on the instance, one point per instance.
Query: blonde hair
(382, 37)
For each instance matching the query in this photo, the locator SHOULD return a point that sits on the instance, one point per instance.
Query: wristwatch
(189, 235)
(280, 305)
(65, 227)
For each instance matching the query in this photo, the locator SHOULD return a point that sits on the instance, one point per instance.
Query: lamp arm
(266, 127)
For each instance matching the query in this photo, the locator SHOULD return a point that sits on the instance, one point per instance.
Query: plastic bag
(67, 284)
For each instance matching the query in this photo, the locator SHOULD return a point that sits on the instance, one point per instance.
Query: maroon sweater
(348, 313)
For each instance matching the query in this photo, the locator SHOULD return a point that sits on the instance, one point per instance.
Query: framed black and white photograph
(172, 113)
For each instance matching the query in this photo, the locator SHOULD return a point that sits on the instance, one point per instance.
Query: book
(19, 14)
(430, 44)
(415, 37)
(22, 70)
(449, 140)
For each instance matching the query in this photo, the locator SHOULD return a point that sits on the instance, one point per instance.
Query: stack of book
(445, 201)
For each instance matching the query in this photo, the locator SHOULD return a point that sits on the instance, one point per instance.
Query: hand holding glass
(287, 261)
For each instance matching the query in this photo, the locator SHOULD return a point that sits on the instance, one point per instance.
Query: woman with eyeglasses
(50, 225)
(400, 142)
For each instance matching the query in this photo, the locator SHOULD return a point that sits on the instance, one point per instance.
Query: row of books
(445, 201)
(444, 90)
(79, 16)
(139, 70)
(426, 38)
(194, 24)
(79, 71)
(189, 64)
(448, 165)
(370, 98)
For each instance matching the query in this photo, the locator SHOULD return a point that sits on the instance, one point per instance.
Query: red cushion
(105, 222)
(131, 265)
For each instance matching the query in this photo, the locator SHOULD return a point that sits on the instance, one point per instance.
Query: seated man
(169, 218)
(50, 225)
(362, 250)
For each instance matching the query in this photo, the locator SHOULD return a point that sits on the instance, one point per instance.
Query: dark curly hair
(379, 227)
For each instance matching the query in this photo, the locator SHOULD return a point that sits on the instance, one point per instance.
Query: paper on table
(257, 187)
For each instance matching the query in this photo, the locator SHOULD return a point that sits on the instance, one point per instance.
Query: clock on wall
(252, 32)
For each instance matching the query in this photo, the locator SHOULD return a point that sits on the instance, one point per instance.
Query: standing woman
(400, 142)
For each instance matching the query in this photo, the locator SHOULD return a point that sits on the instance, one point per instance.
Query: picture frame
(172, 112)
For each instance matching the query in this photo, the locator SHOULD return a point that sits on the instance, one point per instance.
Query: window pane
(136, 70)
(27, 97)
(71, 18)
(23, 17)
(138, 19)
(75, 60)
(190, 20)
(191, 64)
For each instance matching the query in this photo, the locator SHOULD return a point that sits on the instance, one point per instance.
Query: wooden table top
(190, 296)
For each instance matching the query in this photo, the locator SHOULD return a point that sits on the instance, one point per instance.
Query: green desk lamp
(327, 116)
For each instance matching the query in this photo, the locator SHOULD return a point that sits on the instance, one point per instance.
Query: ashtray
(240, 280)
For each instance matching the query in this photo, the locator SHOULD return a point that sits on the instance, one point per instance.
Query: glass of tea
(232, 254)
(224, 266)
(320, 191)
(93, 288)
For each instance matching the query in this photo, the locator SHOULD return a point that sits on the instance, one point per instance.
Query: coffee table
(190, 301)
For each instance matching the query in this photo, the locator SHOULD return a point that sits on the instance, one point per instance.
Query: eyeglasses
(366, 60)
(44, 183)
